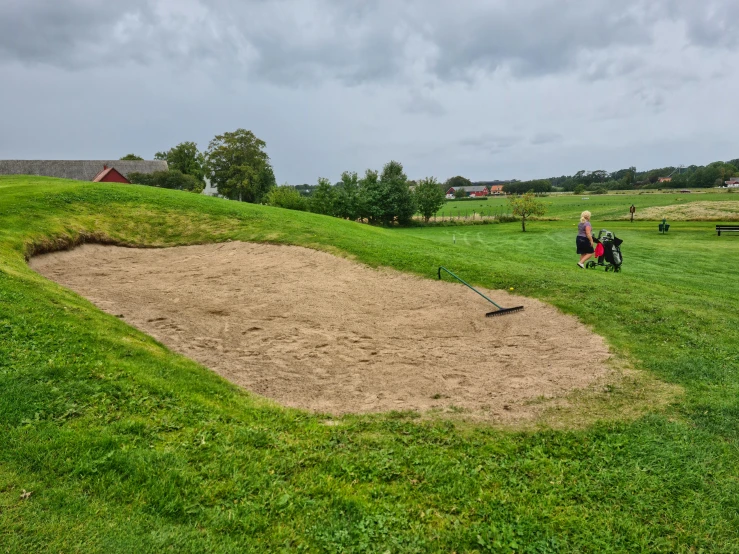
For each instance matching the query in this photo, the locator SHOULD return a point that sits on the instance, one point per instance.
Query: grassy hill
(127, 447)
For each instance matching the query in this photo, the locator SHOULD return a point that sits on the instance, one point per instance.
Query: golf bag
(612, 258)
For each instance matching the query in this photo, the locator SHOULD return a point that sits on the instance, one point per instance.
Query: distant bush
(287, 197)
(172, 179)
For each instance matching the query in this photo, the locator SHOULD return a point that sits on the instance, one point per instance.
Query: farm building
(732, 183)
(81, 170)
(110, 175)
(474, 192)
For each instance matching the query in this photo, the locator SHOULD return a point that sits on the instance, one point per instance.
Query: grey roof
(470, 189)
(82, 170)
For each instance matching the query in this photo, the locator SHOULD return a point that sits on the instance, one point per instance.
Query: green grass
(603, 206)
(127, 447)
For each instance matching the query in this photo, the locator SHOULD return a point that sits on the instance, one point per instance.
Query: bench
(727, 229)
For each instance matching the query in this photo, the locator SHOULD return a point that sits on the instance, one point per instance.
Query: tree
(347, 197)
(570, 184)
(370, 197)
(599, 176)
(626, 176)
(459, 193)
(172, 179)
(185, 157)
(457, 181)
(587, 178)
(323, 199)
(287, 197)
(398, 202)
(429, 197)
(132, 157)
(579, 189)
(526, 206)
(239, 167)
(386, 198)
(724, 172)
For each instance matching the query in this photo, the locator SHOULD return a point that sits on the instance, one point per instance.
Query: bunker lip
(322, 333)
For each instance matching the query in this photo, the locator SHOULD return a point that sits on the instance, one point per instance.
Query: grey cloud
(546, 138)
(709, 23)
(423, 103)
(653, 99)
(81, 34)
(534, 37)
(292, 42)
(48, 31)
(610, 65)
(490, 142)
(622, 106)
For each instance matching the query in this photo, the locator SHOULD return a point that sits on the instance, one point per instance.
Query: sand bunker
(319, 332)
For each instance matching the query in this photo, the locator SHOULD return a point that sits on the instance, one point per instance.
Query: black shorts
(583, 246)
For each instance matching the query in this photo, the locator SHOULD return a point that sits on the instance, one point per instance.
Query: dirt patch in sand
(315, 331)
(690, 211)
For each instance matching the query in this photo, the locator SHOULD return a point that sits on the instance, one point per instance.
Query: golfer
(585, 246)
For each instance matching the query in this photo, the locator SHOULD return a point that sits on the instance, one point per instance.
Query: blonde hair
(585, 216)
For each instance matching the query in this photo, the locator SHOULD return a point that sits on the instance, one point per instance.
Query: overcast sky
(489, 89)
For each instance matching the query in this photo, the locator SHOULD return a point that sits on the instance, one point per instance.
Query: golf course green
(125, 446)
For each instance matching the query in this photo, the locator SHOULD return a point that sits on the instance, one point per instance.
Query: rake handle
(465, 283)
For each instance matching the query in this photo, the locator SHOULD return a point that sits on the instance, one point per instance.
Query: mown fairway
(127, 447)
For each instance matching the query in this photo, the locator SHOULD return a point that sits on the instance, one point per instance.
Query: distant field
(123, 446)
(608, 206)
(693, 211)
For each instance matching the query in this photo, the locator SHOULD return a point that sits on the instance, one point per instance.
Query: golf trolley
(608, 252)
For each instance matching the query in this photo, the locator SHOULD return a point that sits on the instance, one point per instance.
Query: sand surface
(318, 332)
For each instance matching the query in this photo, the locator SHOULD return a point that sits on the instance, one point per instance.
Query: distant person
(632, 211)
(585, 245)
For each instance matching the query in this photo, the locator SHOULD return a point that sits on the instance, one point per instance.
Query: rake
(500, 311)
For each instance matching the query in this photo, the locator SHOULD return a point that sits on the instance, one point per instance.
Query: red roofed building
(474, 192)
(110, 175)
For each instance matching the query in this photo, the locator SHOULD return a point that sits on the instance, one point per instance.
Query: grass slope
(129, 447)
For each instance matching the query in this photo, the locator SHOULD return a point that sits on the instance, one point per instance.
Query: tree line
(693, 176)
(386, 197)
(238, 166)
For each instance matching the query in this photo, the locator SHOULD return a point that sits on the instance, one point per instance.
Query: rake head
(504, 311)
